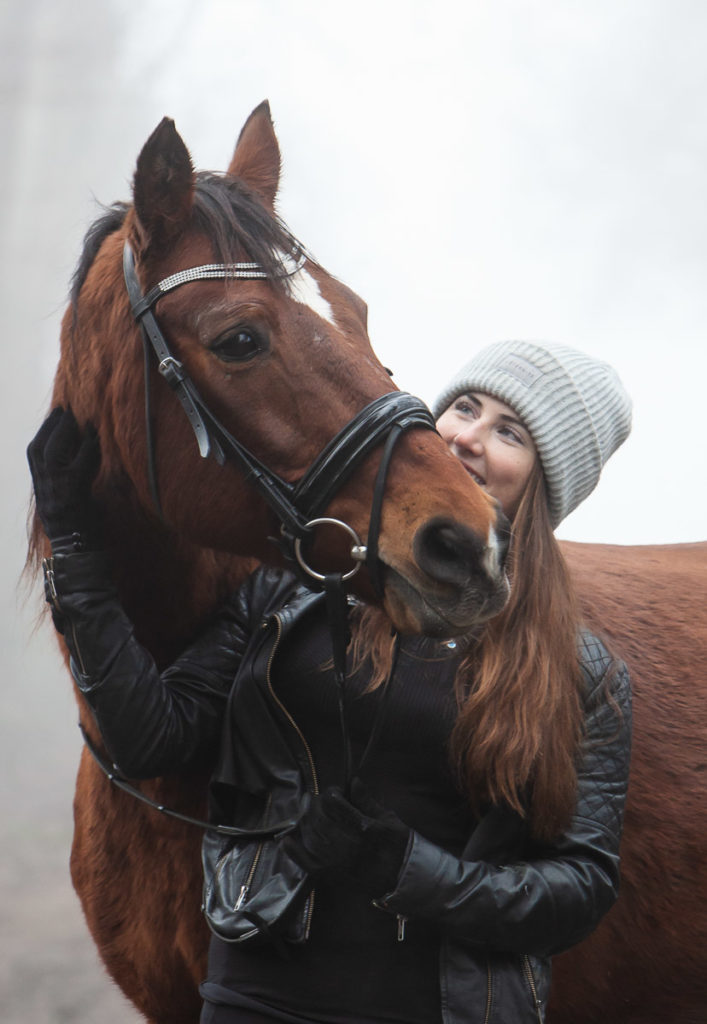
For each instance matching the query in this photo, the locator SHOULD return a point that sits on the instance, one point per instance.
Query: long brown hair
(519, 724)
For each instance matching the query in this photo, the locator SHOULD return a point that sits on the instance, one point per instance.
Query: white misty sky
(475, 171)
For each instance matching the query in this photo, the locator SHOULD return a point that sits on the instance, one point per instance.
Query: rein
(297, 506)
(113, 774)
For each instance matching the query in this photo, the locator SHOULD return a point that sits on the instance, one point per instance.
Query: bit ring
(358, 550)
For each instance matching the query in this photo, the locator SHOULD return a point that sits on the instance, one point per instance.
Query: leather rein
(298, 506)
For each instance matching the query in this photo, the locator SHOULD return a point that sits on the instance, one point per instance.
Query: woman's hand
(367, 845)
(64, 461)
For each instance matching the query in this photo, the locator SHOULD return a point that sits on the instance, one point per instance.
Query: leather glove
(334, 836)
(64, 461)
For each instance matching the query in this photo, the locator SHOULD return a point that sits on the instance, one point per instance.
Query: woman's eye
(238, 346)
(512, 434)
(464, 406)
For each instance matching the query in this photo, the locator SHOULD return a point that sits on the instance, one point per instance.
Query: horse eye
(238, 346)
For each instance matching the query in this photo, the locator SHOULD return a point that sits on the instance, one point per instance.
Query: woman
(480, 835)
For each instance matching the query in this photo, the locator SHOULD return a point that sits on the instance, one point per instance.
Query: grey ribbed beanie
(574, 406)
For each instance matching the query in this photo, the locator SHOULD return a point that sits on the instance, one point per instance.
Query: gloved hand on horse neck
(358, 840)
(64, 461)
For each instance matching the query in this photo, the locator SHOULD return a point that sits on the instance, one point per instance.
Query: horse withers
(266, 348)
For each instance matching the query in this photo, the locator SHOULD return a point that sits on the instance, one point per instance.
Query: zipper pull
(49, 583)
(242, 895)
(401, 927)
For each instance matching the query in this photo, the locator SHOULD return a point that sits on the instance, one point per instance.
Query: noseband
(298, 506)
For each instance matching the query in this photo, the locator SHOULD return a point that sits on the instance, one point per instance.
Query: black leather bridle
(298, 506)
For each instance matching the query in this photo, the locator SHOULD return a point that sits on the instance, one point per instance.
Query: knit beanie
(574, 406)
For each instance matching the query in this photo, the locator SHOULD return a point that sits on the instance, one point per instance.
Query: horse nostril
(447, 551)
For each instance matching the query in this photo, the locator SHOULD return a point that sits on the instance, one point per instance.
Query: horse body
(647, 961)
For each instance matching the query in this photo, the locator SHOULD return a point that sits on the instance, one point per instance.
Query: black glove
(64, 461)
(334, 836)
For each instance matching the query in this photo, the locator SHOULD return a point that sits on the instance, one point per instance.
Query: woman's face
(492, 444)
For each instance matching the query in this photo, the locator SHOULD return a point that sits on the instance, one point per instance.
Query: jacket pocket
(253, 892)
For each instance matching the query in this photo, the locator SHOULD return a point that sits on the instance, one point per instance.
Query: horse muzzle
(459, 580)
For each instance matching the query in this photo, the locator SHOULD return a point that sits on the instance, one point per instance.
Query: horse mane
(111, 220)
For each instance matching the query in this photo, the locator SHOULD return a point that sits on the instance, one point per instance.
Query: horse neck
(167, 585)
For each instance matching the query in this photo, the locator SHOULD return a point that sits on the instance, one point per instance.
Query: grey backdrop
(475, 171)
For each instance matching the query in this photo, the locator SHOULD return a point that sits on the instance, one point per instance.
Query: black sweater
(360, 964)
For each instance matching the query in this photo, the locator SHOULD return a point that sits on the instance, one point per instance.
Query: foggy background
(476, 171)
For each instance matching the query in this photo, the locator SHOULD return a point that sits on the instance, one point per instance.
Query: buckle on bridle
(172, 371)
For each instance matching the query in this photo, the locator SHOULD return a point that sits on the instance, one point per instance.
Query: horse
(284, 375)
(268, 355)
(646, 963)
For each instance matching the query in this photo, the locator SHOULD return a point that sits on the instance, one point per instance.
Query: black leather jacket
(503, 908)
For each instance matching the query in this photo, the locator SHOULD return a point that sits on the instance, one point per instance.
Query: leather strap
(372, 562)
(351, 445)
(114, 775)
(338, 615)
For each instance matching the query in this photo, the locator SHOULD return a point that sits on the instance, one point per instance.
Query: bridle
(298, 506)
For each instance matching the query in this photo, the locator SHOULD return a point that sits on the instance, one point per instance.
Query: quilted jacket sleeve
(551, 900)
(151, 722)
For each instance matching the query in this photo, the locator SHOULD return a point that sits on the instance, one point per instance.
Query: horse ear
(256, 158)
(163, 188)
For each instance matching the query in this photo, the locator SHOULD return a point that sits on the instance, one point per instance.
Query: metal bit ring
(356, 549)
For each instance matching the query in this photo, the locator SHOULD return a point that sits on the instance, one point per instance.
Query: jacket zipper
(308, 914)
(48, 567)
(290, 719)
(315, 782)
(487, 1012)
(528, 972)
(245, 888)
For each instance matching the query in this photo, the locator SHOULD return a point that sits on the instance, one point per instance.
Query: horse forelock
(238, 226)
(225, 211)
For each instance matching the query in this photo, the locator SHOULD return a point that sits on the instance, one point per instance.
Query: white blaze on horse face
(492, 554)
(492, 561)
(304, 289)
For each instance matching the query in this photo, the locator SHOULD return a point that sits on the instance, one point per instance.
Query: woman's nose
(470, 438)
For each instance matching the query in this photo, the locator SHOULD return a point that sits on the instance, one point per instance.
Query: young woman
(481, 833)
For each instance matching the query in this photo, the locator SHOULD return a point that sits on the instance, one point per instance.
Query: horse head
(283, 361)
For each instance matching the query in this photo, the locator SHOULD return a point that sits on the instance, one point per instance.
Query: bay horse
(647, 961)
(278, 351)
